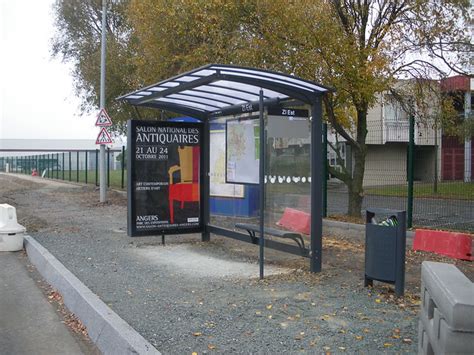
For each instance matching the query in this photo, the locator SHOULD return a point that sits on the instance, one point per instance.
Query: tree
(78, 41)
(362, 48)
(359, 47)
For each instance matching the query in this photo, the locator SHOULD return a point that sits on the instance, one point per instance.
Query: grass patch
(447, 190)
(81, 176)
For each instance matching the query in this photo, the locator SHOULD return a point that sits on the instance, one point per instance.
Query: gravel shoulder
(189, 296)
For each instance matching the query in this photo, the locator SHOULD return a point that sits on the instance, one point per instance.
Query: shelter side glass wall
(288, 174)
(287, 171)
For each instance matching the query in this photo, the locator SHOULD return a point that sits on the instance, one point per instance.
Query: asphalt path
(29, 324)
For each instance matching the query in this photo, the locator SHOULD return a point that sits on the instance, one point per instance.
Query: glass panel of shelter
(287, 173)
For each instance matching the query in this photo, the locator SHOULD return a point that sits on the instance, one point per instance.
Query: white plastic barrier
(11, 233)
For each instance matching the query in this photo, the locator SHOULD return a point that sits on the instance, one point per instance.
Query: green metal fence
(411, 167)
(80, 166)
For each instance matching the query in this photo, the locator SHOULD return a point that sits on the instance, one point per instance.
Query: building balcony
(396, 131)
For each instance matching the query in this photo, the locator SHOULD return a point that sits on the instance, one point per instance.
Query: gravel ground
(189, 296)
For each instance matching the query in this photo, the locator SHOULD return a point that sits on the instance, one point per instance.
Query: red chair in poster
(187, 189)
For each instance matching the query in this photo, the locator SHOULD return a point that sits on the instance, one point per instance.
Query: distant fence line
(67, 164)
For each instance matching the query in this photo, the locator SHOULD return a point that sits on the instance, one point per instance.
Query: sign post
(102, 182)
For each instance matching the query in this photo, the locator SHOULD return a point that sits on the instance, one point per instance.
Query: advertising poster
(163, 177)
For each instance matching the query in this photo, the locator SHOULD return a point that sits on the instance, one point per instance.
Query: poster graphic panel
(243, 151)
(218, 186)
(163, 177)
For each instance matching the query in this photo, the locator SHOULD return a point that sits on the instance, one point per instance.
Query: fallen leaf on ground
(197, 334)
(211, 347)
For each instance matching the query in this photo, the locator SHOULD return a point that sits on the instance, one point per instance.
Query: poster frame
(253, 118)
(240, 194)
(131, 179)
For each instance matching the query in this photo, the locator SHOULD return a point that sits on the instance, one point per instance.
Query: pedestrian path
(28, 322)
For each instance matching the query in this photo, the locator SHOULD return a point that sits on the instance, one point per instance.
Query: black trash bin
(385, 242)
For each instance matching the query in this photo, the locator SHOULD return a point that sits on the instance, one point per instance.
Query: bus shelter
(251, 115)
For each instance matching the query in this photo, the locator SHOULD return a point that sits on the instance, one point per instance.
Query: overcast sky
(36, 92)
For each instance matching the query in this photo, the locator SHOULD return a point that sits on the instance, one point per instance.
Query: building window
(393, 110)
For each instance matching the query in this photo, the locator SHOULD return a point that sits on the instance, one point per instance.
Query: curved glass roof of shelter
(210, 89)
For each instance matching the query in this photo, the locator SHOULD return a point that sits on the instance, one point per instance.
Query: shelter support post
(205, 181)
(261, 184)
(316, 186)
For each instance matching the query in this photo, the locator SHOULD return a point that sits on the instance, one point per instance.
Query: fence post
(69, 165)
(411, 145)
(49, 166)
(57, 166)
(325, 169)
(86, 167)
(123, 165)
(96, 166)
(77, 166)
(108, 166)
(63, 166)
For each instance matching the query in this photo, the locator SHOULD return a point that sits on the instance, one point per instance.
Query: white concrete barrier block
(11, 233)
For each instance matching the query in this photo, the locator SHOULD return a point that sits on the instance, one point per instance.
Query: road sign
(103, 119)
(103, 137)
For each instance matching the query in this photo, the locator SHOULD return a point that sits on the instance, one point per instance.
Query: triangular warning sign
(103, 137)
(103, 119)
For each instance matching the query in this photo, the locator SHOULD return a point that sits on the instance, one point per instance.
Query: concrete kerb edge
(110, 333)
